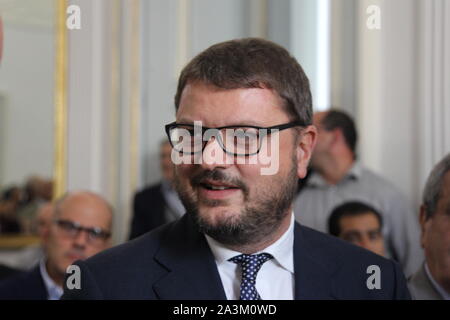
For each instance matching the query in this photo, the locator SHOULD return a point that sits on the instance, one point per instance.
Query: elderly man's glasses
(234, 140)
(71, 229)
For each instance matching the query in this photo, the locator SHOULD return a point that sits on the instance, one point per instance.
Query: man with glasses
(80, 227)
(241, 105)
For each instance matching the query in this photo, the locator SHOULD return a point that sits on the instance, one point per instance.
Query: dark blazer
(148, 210)
(7, 272)
(24, 286)
(175, 262)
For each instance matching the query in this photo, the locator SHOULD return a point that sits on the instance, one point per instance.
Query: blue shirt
(53, 290)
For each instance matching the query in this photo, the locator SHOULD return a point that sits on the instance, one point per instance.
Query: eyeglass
(72, 229)
(237, 140)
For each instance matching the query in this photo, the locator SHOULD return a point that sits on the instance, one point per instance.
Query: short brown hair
(339, 119)
(252, 63)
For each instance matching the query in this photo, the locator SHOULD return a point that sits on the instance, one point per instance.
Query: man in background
(80, 227)
(432, 280)
(359, 224)
(159, 203)
(338, 177)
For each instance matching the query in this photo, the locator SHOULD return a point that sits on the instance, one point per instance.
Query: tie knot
(255, 259)
(250, 264)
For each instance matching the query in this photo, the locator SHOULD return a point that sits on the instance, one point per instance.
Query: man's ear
(338, 138)
(45, 235)
(305, 146)
(422, 222)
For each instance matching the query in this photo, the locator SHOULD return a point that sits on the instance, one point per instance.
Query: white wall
(403, 102)
(159, 79)
(98, 135)
(206, 22)
(188, 27)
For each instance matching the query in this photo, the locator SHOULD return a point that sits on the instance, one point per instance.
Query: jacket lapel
(192, 271)
(313, 280)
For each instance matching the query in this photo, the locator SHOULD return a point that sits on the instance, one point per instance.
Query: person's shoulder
(23, 285)
(334, 251)
(125, 271)
(133, 253)
(356, 273)
(421, 287)
(150, 189)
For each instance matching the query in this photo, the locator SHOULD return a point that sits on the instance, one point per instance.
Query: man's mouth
(214, 185)
(75, 256)
(215, 190)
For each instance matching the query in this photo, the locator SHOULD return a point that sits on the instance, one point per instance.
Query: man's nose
(214, 156)
(80, 239)
(365, 243)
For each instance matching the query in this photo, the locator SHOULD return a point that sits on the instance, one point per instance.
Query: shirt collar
(444, 294)
(316, 179)
(54, 291)
(281, 250)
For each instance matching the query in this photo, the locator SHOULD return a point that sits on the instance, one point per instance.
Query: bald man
(80, 227)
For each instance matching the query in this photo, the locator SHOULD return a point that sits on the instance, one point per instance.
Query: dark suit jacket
(7, 272)
(175, 262)
(25, 286)
(148, 210)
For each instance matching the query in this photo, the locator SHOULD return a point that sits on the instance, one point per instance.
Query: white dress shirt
(53, 290)
(275, 279)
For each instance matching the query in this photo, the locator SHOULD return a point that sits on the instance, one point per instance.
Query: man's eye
(374, 235)
(68, 226)
(352, 237)
(95, 234)
(242, 134)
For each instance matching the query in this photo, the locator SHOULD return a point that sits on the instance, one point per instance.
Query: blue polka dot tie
(250, 264)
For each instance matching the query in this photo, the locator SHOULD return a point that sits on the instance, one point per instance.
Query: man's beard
(260, 217)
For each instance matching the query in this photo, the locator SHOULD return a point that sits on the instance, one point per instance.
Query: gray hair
(433, 187)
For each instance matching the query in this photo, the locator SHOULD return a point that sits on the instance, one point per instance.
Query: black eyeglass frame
(278, 127)
(96, 232)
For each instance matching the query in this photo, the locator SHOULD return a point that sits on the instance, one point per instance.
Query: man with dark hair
(157, 204)
(338, 177)
(432, 280)
(359, 224)
(335, 119)
(241, 106)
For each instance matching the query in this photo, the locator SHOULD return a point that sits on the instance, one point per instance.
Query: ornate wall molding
(60, 117)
